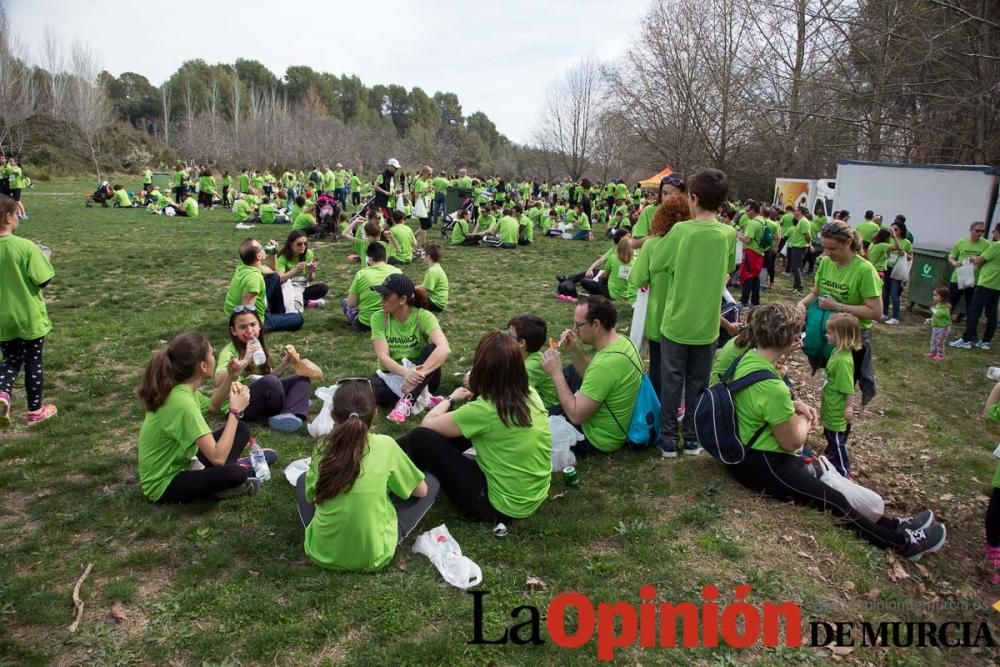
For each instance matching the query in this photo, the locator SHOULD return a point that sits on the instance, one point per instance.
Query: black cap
(398, 284)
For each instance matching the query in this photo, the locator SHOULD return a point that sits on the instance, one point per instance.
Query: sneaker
(47, 411)
(961, 344)
(922, 541)
(4, 409)
(892, 321)
(560, 279)
(286, 422)
(983, 345)
(247, 488)
(918, 521)
(316, 303)
(693, 451)
(930, 355)
(270, 456)
(402, 410)
(668, 453)
(938, 357)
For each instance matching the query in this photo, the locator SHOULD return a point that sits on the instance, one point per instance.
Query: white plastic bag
(292, 294)
(901, 271)
(865, 501)
(966, 275)
(395, 383)
(322, 424)
(639, 309)
(445, 554)
(400, 203)
(420, 208)
(564, 436)
(296, 469)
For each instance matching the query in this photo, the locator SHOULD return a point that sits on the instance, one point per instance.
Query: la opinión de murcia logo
(707, 623)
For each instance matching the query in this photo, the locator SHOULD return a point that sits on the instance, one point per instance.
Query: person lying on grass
(180, 458)
(351, 523)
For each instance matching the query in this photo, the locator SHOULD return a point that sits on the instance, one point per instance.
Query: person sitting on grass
(296, 261)
(351, 522)
(187, 209)
(582, 222)
(180, 458)
(24, 319)
(121, 197)
(249, 287)
(776, 429)
(243, 210)
(270, 215)
(596, 394)
(589, 279)
(460, 234)
(405, 329)
(284, 402)
(505, 420)
(612, 281)
(435, 282)
(403, 237)
(531, 332)
(362, 302)
(525, 227)
(503, 232)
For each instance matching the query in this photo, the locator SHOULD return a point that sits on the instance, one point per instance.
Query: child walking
(843, 331)
(24, 320)
(940, 323)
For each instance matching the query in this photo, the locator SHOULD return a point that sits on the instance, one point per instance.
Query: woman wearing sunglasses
(505, 420)
(284, 402)
(296, 260)
(351, 522)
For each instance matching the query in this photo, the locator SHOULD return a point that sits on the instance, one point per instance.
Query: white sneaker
(983, 345)
(963, 344)
(892, 321)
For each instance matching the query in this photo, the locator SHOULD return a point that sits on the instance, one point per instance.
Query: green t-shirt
(850, 285)
(284, 264)
(640, 276)
(867, 230)
(817, 226)
(440, 184)
(190, 207)
(994, 416)
(941, 315)
(767, 402)
(527, 229)
(723, 358)
(356, 531)
(621, 191)
(369, 301)
(246, 279)
(268, 212)
(540, 380)
(904, 247)
(436, 283)
(304, 221)
(837, 388)
(612, 379)
(583, 222)
(754, 229)
(965, 249)
(618, 278)
(787, 222)
(241, 210)
(641, 228)
(167, 439)
(508, 230)
(691, 254)
(405, 339)
(121, 198)
(459, 231)
(244, 186)
(800, 234)
(23, 269)
(516, 460)
(147, 176)
(878, 253)
(355, 184)
(989, 273)
(406, 240)
(206, 184)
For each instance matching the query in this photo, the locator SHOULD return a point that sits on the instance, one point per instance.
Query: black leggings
(985, 300)
(993, 519)
(191, 485)
(784, 477)
(595, 287)
(461, 479)
(18, 352)
(387, 398)
(315, 291)
(409, 512)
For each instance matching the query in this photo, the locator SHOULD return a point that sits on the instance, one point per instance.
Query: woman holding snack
(283, 401)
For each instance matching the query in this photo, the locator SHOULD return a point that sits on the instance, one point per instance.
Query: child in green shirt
(940, 322)
(836, 414)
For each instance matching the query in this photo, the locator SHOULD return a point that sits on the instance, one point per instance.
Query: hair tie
(354, 414)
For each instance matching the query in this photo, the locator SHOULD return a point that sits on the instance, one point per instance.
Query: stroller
(327, 213)
(449, 219)
(102, 195)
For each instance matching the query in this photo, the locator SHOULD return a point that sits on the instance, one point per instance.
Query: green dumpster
(930, 270)
(454, 198)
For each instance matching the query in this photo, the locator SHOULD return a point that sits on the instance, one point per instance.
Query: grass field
(228, 583)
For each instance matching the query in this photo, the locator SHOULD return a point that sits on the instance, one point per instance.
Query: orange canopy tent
(653, 182)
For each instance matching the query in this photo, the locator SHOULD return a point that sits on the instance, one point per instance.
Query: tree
(569, 116)
(18, 92)
(88, 109)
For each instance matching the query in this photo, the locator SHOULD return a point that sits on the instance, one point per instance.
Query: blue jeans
(581, 235)
(276, 319)
(437, 206)
(895, 290)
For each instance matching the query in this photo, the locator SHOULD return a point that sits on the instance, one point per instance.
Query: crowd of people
(679, 248)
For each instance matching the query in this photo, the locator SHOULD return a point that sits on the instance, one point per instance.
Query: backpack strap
(743, 383)
(641, 373)
(732, 367)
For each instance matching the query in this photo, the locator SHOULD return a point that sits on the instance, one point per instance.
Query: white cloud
(498, 58)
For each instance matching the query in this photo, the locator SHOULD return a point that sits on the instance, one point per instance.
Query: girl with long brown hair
(505, 420)
(350, 522)
(174, 431)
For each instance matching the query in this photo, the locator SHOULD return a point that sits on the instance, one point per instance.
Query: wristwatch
(236, 413)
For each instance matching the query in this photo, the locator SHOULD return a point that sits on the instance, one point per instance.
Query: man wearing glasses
(963, 252)
(596, 394)
(984, 299)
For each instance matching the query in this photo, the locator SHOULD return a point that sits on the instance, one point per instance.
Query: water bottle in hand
(259, 356)
(261, 470)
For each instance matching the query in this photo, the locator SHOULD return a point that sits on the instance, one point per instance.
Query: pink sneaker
(938, 357)
(930, 355)
(402, 410)
(4, 409)
(435, 400)
(48, 411)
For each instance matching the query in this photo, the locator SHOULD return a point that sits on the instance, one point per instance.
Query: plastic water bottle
(810, 467)
(260, 467)
(259, 357)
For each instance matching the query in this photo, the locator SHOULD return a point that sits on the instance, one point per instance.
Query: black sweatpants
(19, 353)
(795, 256)
(461, 479)
(191, 485)
(387, 398)
(993, 519)
(784, 477)
(985, 300)
(595, 287)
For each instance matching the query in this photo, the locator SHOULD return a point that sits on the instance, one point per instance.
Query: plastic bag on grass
(564, 436)
(445, 554)
(864, 501)
(322, 424)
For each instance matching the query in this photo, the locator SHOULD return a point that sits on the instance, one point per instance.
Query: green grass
(228, 583)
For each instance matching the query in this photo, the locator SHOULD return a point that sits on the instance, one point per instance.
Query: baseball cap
(340, 166)
(393, 162)
(398, 284)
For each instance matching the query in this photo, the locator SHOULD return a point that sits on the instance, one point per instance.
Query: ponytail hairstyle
(168, 368)
(353, 411)
(744, 338)
(498, 375)
(624, 249)
(842, 232)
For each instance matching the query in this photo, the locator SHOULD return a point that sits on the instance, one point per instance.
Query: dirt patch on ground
(340, 650)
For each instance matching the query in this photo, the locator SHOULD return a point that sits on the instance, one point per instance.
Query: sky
(499, 58)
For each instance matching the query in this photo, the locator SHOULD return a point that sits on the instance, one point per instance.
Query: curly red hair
(674, 209)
